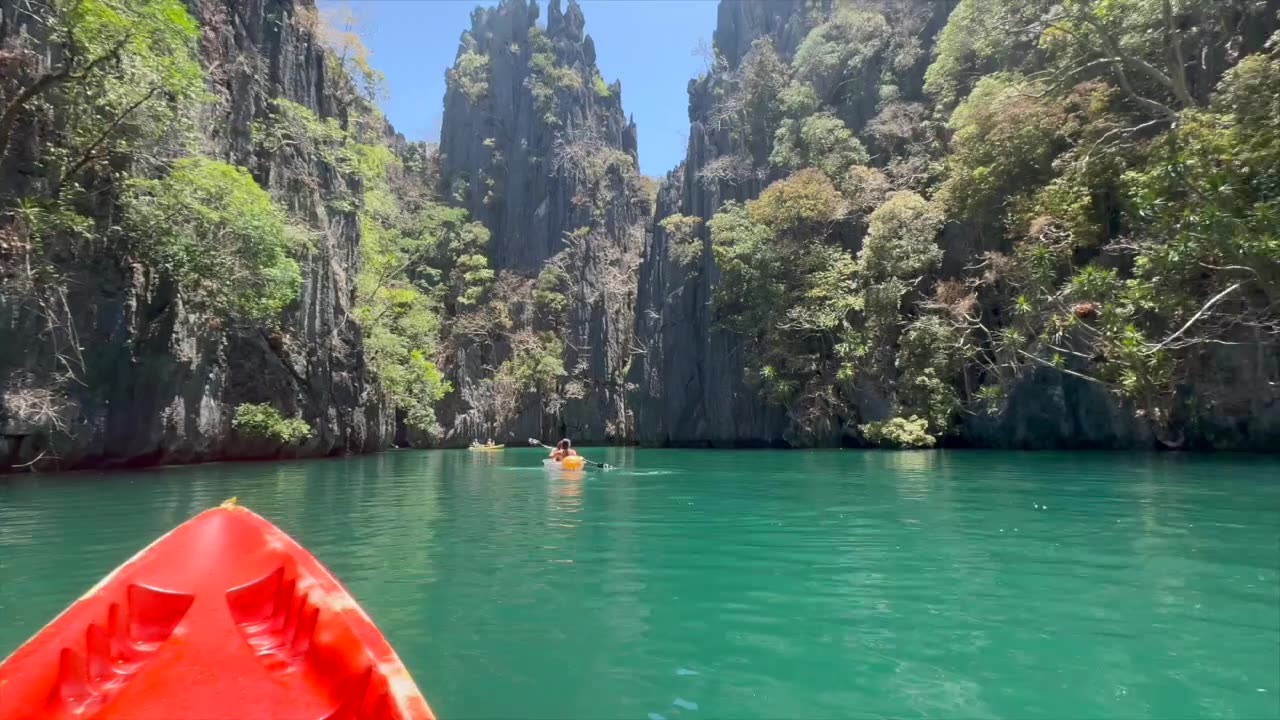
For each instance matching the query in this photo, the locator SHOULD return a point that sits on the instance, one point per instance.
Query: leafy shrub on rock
(261, 421)
(898, 432)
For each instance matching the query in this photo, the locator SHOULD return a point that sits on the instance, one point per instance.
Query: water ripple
(747, 584)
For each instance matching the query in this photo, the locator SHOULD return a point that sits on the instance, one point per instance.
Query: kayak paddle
(602, 466)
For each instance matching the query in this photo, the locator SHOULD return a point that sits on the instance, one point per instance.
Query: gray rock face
(156, 384)
(1048, 409)
(688, 378)
(786, 22)
(499, 152)
(1233, 403)
(503, 158)
(690, 389)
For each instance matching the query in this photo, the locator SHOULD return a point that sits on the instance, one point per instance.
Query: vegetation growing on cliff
(470, 74)
(99, 131)
(111, 106)
(547, 77)
(684, 247)
(263, 422)
(929, 211)
(218, 234)
(547, 160)
(399, 294)
(1102, 171)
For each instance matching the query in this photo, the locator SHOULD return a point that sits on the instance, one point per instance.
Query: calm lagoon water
(756, 584)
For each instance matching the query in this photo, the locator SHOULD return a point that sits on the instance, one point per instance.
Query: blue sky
(647, 44)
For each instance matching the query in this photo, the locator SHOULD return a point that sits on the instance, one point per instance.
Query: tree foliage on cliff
(398, 303)
(1109, 166)
(118, 73)
(470, 73)
(118, 102)
(420, 260)
(209, 226)
(101, 101)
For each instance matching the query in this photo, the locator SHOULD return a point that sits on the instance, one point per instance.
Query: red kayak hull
(225, 617)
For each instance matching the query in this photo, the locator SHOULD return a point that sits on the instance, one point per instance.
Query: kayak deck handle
(275, 619)
(114, 654)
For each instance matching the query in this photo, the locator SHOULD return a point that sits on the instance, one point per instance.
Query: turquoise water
(709, 584)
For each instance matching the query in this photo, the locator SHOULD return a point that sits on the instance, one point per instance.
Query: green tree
(901, 239)
(684, 246)
(787, 289)
(899, 432)
(1120, 217)
(930, 363)
(470, 72)
(547, 77)
(600, 87)
(210, 227)
(820, 141)
(1006, 136)
(550, 294)
(797, 203)
(744, 293)
(410, 244)
(841, 58)
(982, 37)
(1201, 208)
(536, 364)
(751, 105)
(1155, 51)
(124, 72)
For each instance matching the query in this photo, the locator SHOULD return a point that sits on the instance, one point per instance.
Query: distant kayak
(484, 448)
(224, 617)
(573, 462)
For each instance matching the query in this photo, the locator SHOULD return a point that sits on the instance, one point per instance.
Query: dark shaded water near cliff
(709, 584)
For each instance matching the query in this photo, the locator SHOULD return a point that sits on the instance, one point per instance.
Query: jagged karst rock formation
(536, 146)
(498, 149)
(689, 378)
(692, 386)
(588, 317)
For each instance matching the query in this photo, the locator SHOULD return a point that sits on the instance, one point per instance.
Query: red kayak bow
(225, 617)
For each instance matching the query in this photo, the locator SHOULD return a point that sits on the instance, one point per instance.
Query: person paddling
(562, 450)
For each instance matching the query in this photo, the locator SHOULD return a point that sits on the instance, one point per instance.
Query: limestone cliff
(151, 382)
(584, 322)
(689, 377)
(537, 146)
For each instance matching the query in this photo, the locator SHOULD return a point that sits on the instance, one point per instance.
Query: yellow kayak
(486, 447)
(573, 462)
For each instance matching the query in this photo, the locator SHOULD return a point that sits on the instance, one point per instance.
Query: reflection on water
(567, 491)
(747, 584)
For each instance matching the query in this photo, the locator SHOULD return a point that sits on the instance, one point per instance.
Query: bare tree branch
(1126, 131)
(1119, 59)
(88, 155)
(1205, 308)
(1073, 373)
(1176, 62)
(48, 80)
(33, 461)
